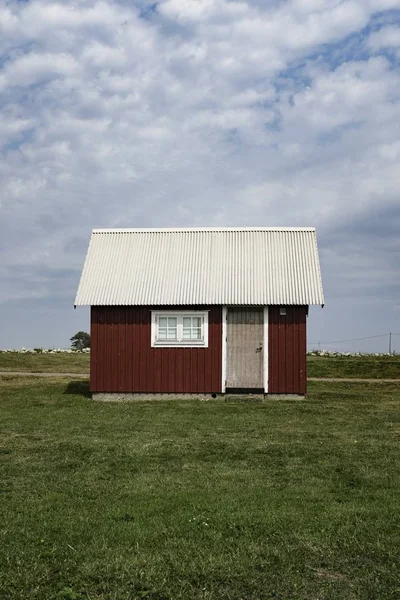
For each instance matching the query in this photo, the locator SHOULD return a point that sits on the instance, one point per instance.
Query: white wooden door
(245, 353)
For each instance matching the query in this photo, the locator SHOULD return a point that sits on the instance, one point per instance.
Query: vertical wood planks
(287, 350)
(122, 359)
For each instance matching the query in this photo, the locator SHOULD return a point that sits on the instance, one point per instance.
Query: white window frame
(180, 343)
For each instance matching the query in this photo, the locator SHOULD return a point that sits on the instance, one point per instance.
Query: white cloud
(12, 126)
(38, 17)
(30, 69)
(208, 112)
(202, 10)
(387, 37)
(350, 94)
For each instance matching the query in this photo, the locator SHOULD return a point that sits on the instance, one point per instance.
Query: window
(167, 328)
(186, 328)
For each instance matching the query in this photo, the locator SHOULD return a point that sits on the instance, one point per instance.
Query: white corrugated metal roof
(225, 266)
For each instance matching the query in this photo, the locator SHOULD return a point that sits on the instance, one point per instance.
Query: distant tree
(80, 340)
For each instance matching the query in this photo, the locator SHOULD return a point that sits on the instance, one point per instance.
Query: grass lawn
(369, 367)
(196, 500)
(363, 367)
(45, 363)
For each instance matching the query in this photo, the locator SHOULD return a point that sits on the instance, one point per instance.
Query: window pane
(167, 328)
(196, 322)
(187, 321)
(192, 333)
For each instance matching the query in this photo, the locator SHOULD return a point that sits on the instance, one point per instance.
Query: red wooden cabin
(200, 311)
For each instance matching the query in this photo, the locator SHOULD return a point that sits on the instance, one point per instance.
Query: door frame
(225, 347)
(266, 350)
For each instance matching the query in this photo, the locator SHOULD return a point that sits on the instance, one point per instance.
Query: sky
(200, 113)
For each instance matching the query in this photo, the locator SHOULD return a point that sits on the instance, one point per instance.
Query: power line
(370, 337)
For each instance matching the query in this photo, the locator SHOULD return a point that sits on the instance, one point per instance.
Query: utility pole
(390, 343)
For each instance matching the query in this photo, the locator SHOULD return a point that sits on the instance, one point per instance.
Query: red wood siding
(122, 359)
(287, 350)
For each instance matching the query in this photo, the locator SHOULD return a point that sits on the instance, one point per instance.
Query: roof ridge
(196, 229)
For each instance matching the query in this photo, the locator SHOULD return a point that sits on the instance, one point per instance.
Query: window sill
(179, 345)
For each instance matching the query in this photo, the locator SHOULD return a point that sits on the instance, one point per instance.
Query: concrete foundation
(285, 397)
(135, 397)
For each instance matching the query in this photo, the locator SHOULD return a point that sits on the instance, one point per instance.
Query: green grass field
(46, 363)
(363, 367)
(369, 367)
(197, 500)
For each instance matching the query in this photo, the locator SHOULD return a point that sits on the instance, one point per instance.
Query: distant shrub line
(323, 353)
(47, 351)
(332, 354)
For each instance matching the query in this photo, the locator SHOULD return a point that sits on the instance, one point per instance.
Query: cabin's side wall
(122, 359)
(287, 350)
